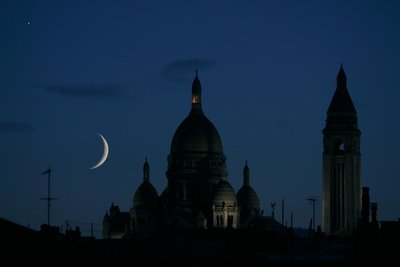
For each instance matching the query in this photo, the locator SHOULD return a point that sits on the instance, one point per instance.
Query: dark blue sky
(71, 69)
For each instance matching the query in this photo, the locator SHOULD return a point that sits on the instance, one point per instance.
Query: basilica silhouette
(199, 195)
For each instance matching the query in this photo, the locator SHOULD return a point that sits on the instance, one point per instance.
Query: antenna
(291, 219)
(273, 210)
(48, 198)
(283, 212)
(313, 199)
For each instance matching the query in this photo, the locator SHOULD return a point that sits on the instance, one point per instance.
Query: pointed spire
(341, 78)
(146, 172)
(341, 101)
(196, 93)
(246, 175)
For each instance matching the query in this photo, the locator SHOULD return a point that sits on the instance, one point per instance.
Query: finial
(146, 171)
(246, 175)
(341, 77)
(196, 72)
(145, 158)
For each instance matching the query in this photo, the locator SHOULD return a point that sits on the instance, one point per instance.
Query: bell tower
(341, 163)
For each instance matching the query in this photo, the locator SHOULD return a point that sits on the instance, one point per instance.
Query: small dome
(224, 193)
(247, 197)
(145, 194)
(196, 134)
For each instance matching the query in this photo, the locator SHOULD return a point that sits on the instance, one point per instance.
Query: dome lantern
(196, 93)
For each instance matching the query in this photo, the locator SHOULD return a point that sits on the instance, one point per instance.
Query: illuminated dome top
(196, 134)
(224, 193)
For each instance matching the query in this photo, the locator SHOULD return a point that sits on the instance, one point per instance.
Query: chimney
(365, 205)
(374, 208)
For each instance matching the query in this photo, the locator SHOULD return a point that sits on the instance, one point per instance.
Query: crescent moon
(105, 153)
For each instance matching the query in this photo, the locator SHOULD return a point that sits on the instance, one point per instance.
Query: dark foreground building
(25, 247)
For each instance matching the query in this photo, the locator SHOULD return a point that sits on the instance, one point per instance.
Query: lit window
(196, 99)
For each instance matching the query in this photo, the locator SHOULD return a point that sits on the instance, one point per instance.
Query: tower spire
(341, 78)
(196, 93)
(341, 101)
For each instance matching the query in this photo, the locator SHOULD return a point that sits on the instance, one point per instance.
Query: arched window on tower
(339, 147)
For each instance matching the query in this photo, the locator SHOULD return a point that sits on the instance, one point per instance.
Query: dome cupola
(196, 93)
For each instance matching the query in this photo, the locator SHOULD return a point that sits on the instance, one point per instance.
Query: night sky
(72, 69)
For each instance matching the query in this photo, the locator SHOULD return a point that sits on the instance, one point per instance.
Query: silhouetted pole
(374, 208)
(313, 211)
(49, 198)
(273, 210)
(283, 212)
(365, 205)
(91, 229)
(291, 219)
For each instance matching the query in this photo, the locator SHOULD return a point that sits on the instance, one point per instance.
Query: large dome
(196, 134)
